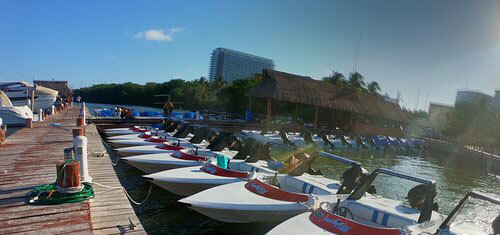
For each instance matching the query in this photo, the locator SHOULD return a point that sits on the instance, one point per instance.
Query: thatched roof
(305, 90)
(60, 86)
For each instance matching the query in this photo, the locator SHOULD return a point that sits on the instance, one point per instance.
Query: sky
(435, 46)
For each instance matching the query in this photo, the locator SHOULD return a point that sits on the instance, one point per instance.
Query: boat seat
(301, 186)
(378, 216)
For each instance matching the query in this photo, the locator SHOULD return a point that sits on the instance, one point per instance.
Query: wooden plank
(28, 160)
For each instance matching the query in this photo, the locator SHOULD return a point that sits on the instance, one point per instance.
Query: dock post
(83, 114)
(3, 133)
(53, 110)
(40, 115)
(80, 149)
(29, 123)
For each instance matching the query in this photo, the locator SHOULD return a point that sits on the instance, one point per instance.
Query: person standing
(168, 108)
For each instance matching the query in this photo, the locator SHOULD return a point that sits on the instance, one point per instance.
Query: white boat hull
(232, 203)
(152, 163)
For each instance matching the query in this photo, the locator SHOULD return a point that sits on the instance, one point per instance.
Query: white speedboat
(13, 115)
(128, 130)
(358, 214)
(184, 135)
(151, 163)
(267, 197)
(20, 94)
(220, 141)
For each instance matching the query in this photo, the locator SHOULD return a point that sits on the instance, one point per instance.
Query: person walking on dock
(168, 108)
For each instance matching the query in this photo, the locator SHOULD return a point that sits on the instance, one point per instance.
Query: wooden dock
(28, 159)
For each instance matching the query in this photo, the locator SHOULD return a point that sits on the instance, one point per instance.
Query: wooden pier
(29, 159)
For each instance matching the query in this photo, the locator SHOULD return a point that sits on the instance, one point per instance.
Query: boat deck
(28, 159)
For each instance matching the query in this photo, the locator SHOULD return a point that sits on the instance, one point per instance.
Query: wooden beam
(269, 110)
(316, 110)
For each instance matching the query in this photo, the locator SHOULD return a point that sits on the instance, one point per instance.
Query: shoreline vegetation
(474, 122)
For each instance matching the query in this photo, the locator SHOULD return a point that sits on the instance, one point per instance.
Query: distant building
(438, 114)
(495, 103)
(233, 65)
(469, 96)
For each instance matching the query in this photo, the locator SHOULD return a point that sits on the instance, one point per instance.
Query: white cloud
(175, 30)
(158, 34)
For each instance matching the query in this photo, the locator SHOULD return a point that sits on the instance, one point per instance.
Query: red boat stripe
(266, 190)
(215, 170)
(340, 225)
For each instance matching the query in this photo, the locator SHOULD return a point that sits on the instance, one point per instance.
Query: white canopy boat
(259, 201)
(13, 115)
(20, 94)
(369, 215)
(152, 163)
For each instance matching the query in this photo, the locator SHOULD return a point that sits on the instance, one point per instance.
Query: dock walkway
(28, 159)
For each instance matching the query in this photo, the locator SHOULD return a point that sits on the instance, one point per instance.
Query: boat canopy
(4, 100)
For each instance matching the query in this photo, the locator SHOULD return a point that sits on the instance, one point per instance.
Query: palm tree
(337, 79)
(356, 81)
(219, 83)
(373, 88)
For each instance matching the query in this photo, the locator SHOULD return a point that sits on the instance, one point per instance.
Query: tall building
(233, 65)
(470, 96)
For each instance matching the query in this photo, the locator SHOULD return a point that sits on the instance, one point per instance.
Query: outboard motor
(248, 146)
(184, 131)
(220, 142)
(372, 143)
(285, 139)
(305, 166)
(262, 153)
(308, 138)
(344, 141)
(359, 142)
(200, 134)
(352, 178)
(416, 197)
(326, 140)
(234, 143)
(173, 127)
(166, 124)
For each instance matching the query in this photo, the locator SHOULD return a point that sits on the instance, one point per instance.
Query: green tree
(337, 79)
(356, 81)
(373, 88)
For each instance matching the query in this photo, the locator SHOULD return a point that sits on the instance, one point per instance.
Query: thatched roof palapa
(305, 90)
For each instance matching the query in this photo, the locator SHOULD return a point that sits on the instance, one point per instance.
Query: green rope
(47, 194)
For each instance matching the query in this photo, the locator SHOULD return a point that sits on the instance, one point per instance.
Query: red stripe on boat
(266, 190)
(155, 140)
(215, 170)
(168, 147)
(144, 136)
(185, 156)
(140, 130)
(340, 225)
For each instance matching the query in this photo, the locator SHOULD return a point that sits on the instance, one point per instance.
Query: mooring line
(126, 193)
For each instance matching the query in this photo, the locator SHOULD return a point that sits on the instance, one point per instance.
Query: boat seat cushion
(377, 216)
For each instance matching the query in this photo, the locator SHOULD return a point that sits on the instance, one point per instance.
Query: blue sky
(433, 45)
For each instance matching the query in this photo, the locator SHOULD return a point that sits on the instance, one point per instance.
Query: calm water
(455, 176)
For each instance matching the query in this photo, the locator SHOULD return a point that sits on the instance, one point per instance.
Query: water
(455, 176)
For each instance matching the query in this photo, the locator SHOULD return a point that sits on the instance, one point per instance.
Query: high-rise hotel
(233, 65)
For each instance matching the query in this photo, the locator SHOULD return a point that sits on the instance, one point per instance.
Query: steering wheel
(344, 211)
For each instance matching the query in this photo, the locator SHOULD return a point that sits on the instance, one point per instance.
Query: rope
(126, 193)
(47, 194)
